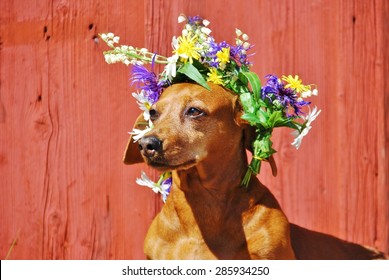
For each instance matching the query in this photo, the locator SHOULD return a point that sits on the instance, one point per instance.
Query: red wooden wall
(65, 114)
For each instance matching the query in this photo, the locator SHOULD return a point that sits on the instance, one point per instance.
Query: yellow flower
(186, 48)
(295, 83)
(223, 56)
(213, 77)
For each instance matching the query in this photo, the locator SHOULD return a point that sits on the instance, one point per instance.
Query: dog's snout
(149, 145)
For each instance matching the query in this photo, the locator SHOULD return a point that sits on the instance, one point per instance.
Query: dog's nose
(149, 145)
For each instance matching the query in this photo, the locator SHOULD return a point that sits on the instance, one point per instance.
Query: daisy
(307, 127)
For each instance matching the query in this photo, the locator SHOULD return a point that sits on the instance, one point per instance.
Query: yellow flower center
(223, 56)
(213, 77)
(295, 83)
(187, 48)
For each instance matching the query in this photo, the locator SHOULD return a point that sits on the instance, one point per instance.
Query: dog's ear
(132, 153)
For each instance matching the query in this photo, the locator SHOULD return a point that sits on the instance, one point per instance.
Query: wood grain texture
(65, 114)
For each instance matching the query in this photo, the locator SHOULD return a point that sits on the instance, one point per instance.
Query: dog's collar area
(198, 57)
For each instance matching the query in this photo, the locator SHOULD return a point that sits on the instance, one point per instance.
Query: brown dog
(208, 215)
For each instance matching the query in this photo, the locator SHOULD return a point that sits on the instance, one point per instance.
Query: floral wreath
(199, 58)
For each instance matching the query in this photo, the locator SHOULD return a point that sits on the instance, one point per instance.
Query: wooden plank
(64, 117)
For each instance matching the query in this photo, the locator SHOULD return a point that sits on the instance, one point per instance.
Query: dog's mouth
(162, 164)
(164, 157)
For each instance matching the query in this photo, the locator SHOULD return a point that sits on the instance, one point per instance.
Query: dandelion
(295, 83)
(187, 48)
(223, 56)
(213, 77)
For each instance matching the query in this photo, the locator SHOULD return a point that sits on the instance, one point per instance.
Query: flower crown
(197, 57)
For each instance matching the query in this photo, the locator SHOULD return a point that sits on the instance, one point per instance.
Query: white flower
(143, 51)
(104, 36)
(238, 32)
(116, 39)
(309, 93)
(137, 134)
(188, 27)
(308, 121)
(181, 18)
(185, 32)
(161, 187)
(110, 35)
(245, 37)
(171, 67)
(206, 22)
(306, 94)
(206, 30)
(143, 103)
(144, 180)
(246, 45)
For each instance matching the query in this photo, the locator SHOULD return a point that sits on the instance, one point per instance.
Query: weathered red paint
(64, 117)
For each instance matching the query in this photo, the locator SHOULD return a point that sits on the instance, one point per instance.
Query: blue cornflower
(275, 91)
(147, 81)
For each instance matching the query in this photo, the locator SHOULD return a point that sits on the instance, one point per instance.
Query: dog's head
(190, 122)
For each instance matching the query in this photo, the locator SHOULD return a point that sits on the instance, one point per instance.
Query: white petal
(206, 30)
(181, 18)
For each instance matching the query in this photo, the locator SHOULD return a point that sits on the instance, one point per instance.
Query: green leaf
(251, 118)
(275, 119)
(192, 73)
(263, 118)
(254, 82)
(247, 102)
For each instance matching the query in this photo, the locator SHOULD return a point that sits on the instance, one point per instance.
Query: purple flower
(166, 187)
(195, 20)
(147, 81)
(274, 90)
(238, 53)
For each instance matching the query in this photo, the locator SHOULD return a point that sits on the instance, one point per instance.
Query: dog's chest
(186, 234)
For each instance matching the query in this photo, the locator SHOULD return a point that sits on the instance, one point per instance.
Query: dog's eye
(194, 112)
(153, 114)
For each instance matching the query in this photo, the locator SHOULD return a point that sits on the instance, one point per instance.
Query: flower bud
(246, 45)
(181, 18)
(206, 30)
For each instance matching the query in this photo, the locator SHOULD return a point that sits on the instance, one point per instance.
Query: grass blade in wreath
(192, 73)
(254, 82)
